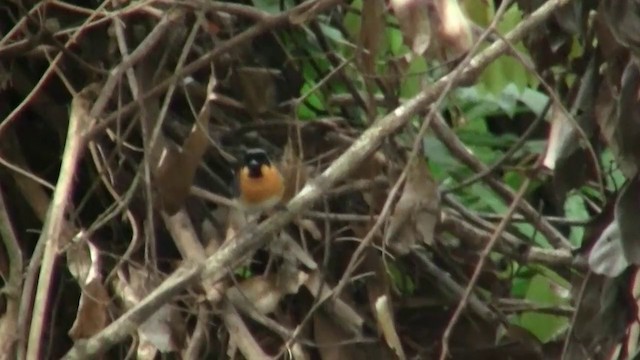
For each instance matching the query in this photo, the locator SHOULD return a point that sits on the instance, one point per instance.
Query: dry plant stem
(235, 252)
(240, 335)
(18, 47)
(39, 202)
(52, 67)
(55, 221)
(446, 281)
(13, 287)
(451, 141)
(464, 230)
(26, 173)
(506, 156)
(517, 305)
(199, 335)
(206, 60)
(478, 269)
(143, 49)
(19, 26)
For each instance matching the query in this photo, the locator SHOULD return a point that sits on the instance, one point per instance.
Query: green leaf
(400, 280)
(576, 209)
(613, 176)
(333, 34)
(313, 98)
(395, 41)
(440, 157)
(352, 19)
(543, 326)
(479, 11)
(413, 78)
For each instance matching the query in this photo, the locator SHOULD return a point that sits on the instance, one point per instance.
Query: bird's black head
(254, 159)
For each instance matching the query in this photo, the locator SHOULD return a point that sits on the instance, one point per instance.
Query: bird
(259, 184)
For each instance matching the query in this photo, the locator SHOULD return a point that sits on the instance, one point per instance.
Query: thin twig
(478, 269)
(206, 60)
(52, 67)
(505, 157)
(454, 144)
(13, 287)
(572, 323)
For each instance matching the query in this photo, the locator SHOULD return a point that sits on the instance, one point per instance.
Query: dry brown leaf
(177, 167)
(328, 332)
(263, 292)
(92, 310)
(452, 28)
(378, 290)
(413, 18)
(165, 328)
(415, 215)
(560, 132)
(606, 257)
(384, 315)
(257, 87)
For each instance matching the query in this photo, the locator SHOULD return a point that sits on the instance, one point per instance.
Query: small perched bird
(259, 183)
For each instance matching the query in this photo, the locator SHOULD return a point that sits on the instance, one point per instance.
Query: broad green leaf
(395, 41)
(440, 155)
(543, 326)
(534, 100)
(333, 34)
(479, 11)
(486, 200)
(352, 19)
(413, 78)
(313, 98)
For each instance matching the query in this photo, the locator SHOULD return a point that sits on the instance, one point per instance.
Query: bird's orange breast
(257, 190)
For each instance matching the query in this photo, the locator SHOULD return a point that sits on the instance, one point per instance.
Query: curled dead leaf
(437, 24)
(165, 328)
(452, 27)
(416, 214)
(92, 314)
(413, 18)
(606, 256)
